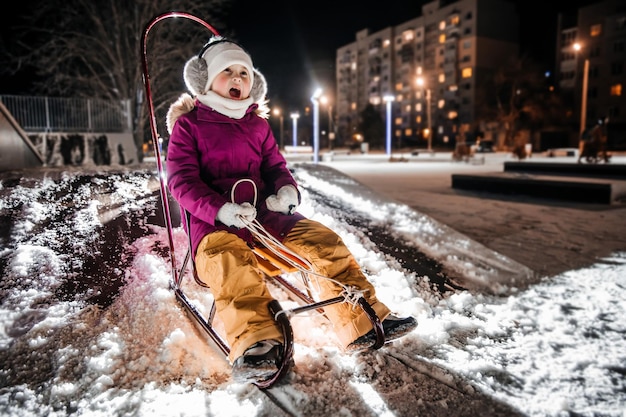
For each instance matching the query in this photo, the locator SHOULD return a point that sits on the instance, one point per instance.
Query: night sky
(293, 43)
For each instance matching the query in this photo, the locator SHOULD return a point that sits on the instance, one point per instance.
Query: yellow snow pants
(229, 267)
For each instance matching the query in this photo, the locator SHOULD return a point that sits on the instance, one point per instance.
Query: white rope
(232, 191)
(350, 295)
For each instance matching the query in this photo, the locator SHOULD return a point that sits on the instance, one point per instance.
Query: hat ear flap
(196, 75)
(259, 88)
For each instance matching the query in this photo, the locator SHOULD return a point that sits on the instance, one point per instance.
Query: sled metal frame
(271, 265)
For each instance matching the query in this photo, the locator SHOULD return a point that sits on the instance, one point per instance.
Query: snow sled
(274, 260)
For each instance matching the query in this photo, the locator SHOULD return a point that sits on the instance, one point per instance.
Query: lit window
(418, 119)
(453, 87)
(407, 108)
(467, 72)
(442, 25)
(455, 20)
(616, 90)
(386, 43)
(399, 97)
(418, 107)
(595, 30)
(399, 87)
(354, 66)
(398, 120)
(418, 70)
(441, 103)
(353, 106)
(408, 132)
(442, 38)
(442, 78)
(452, 115)
(375, 101)
(408, 35)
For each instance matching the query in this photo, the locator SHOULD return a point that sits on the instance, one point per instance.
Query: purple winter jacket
(208, 153)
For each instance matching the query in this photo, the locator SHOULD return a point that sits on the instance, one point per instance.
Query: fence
(54, 114)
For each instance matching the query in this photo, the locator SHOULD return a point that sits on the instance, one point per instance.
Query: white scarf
(235, 109)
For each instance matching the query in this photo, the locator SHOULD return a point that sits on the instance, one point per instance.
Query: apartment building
(592, 76)
(432, 66)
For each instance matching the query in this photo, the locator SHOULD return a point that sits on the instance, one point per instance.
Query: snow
(90, 327)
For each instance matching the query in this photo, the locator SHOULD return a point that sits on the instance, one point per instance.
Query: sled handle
(154, 129)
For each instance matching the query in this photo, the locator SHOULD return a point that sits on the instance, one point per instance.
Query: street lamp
(278, 113)
(429, 131)
(583, 103)
(294, 123)
(331, 133)
(315, 99)
(388, 99)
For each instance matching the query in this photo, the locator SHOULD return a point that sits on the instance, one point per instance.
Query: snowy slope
(90, 327)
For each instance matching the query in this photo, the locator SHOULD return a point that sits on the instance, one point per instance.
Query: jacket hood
(195, 73)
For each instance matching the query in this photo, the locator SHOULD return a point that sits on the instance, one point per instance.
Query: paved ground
(549, 236)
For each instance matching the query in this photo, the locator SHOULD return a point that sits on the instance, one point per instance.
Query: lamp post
(583, 103)
(294, 123)
(429, 133)
(388, 99)
(331, 132)
(315, 99)
(279, 113)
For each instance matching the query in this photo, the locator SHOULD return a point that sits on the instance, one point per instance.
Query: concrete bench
(298, 149)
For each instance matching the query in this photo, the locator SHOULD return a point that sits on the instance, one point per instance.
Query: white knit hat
(215, 57)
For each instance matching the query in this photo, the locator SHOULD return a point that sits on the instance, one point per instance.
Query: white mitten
(284, 201)
(231, 214)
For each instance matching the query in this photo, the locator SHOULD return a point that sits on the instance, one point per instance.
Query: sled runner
(275, 260)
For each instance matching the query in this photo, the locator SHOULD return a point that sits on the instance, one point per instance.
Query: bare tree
(92, 49)
(517, 97)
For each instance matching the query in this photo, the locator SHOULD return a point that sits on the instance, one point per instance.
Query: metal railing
(55, 114)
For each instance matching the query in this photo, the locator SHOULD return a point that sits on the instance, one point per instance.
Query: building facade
(592, 75)
(432, 66)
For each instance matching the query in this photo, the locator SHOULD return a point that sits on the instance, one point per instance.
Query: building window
(467, 44)
(442, 25)
(455, 20)
(617, 68)
(442, 38)
(397, 121)
(418, 107)
(616, 90)
(595, 30)
(398, 86)
(441, 103)
(408, 35)
(442, 78)
(595, 52)
(467, 72)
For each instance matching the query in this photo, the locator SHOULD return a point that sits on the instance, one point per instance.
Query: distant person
(219, 138)
(593, 145)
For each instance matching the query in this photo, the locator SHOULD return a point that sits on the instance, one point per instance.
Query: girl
(217, 139)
